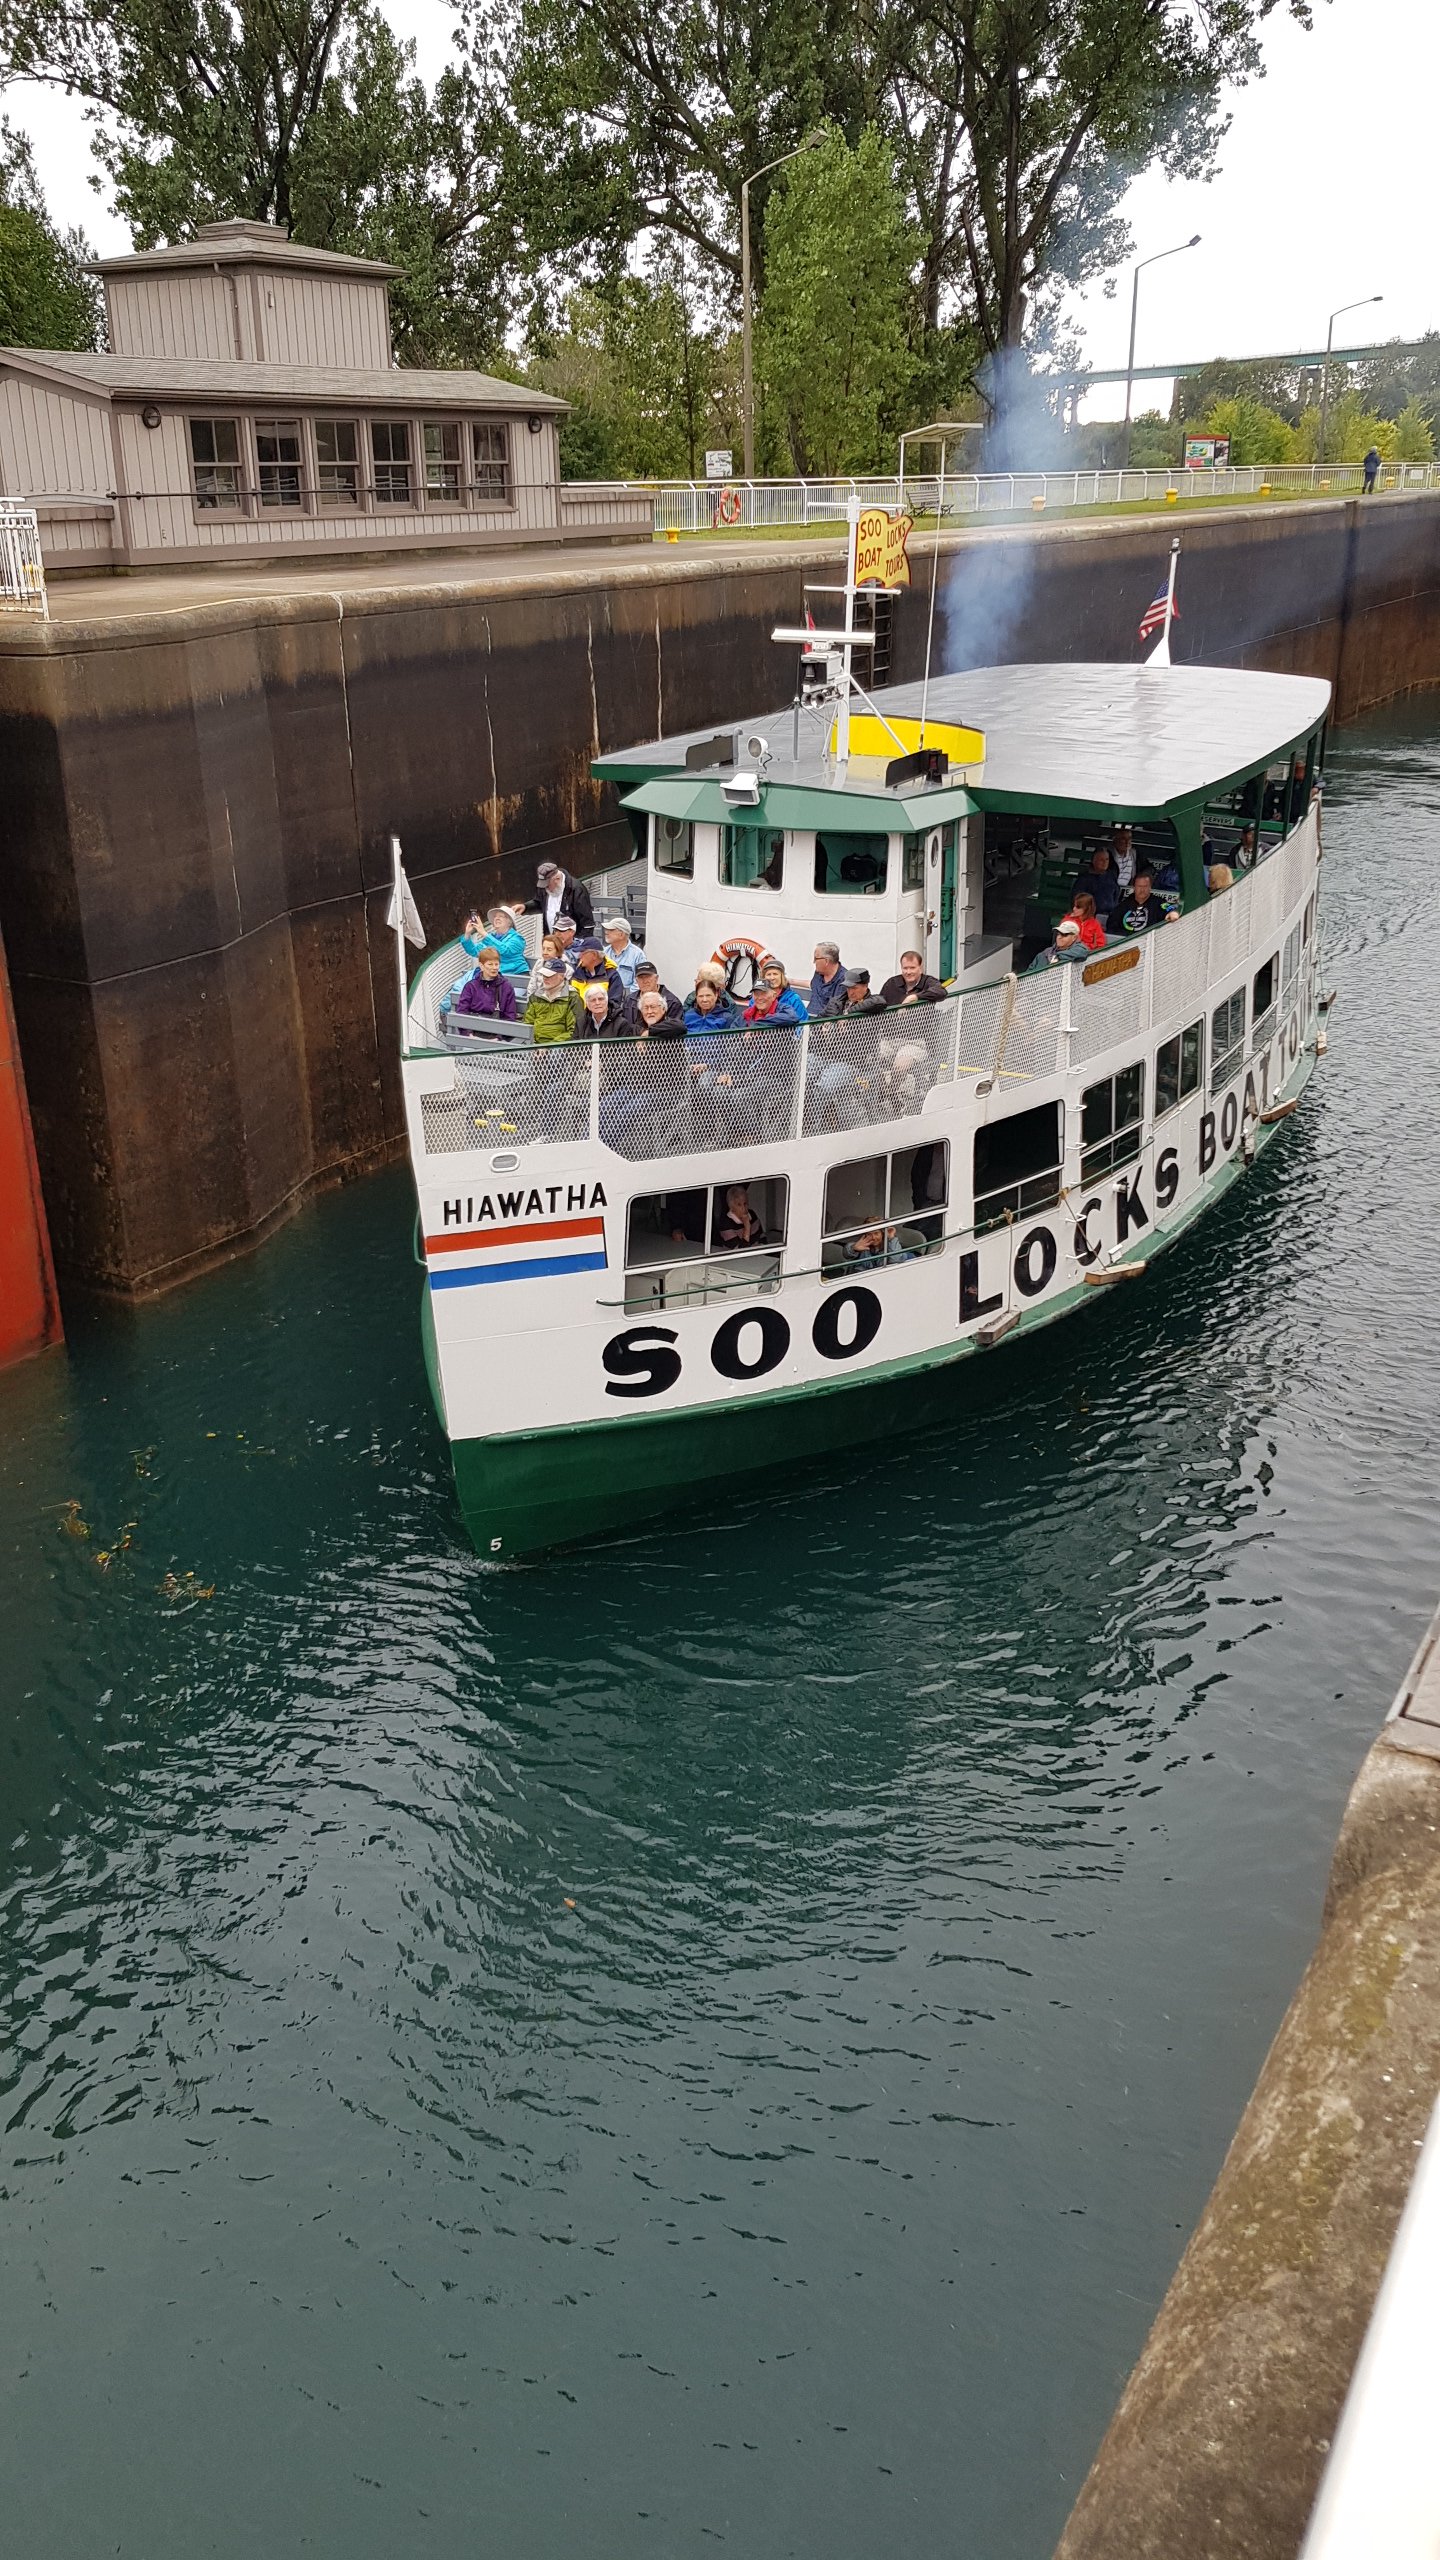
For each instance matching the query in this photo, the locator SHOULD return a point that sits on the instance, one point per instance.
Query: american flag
(1154, 614)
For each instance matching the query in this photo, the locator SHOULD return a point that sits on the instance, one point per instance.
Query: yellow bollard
(671, 535)
(1037, 506)
(1264, 489)
(1172, 497)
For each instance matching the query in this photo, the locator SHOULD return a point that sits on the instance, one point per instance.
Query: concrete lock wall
(200, 801)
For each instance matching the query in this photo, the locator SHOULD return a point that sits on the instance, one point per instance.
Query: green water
(717, 2039)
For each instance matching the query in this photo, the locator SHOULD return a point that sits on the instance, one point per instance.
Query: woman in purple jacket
(486, 992)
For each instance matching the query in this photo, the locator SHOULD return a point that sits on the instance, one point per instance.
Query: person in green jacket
(555, 1012)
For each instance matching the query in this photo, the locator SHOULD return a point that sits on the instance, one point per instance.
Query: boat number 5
(644, 1361)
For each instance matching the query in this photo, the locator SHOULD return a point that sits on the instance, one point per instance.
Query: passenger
(486, 992)
(764, 1005)
(1141, 909)
(1167, 876)
(789, 1002)
(1100, 881)
(549, 950)
(737, 1225)
(912, 984)
(652, 1018)
(472, 930)
(711, 973)
(559, 893)
(563, 935)
(858, 998)
(1092, 931)
(1218, 877)
(504, 935)
(606, 1014)
(826, 993)
(876, 1245)
(708, 1009)
(647, 982)
(556, 1012)
(623, 951)
(1245, 849)
(1067, 945)
(1122, 856)
(592, 966)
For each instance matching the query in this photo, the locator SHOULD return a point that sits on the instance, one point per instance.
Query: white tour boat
(923, 1183)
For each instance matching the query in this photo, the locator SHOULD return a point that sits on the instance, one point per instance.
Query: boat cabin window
(675, 847)
(1017, 1164)
(1179, 1066)
(1307, 922)
(1291, 968)
(1227, 1039)
(752, 857)
(912, 875)
(1110, 1117)
(1262, 994)
(693, 1247)
(885, 1208)
(851, 866)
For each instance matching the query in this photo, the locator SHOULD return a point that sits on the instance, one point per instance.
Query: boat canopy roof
(1113, 740)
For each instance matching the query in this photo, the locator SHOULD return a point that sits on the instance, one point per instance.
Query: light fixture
(534, 425)
(149, 415)
(742, 789)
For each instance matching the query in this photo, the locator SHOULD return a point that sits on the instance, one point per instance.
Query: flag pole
(1160, 654)
(397, 918)
(934, 581)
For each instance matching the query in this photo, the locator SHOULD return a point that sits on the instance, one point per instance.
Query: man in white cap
(1067, 944)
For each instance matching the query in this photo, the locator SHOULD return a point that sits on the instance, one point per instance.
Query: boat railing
(710, 1093)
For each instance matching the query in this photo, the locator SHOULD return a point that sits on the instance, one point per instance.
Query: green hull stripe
(526, 1490)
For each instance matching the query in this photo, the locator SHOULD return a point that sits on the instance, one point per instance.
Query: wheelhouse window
(851, 866)
(717, 1241)
(337, 462)
(675, 847)
(1227, 1039)
(912, 874)
(884, 1209)
(1110, 1116)
(491, 448)
(752, 857)
(215, 458)
(390, 454)
(1179, 1067)
(278, 458)
(1017, 1165)
(444, 462)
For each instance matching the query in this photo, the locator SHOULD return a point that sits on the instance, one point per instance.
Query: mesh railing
(654, 1099)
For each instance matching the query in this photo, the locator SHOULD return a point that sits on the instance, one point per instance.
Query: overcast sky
(1325, 191)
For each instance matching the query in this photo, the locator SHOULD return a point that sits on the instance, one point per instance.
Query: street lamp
(1363, 304)
(811, 142)
(1134, 315)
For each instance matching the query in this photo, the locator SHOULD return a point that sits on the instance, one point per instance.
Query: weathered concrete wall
(200, 801)
(1220, 2439)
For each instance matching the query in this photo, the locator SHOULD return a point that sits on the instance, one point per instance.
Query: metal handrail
(688, 506)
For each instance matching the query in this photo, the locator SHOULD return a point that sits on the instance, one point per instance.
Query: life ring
(727, 507)
(732, 954)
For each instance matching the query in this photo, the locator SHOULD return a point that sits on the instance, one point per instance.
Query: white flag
(402, 909)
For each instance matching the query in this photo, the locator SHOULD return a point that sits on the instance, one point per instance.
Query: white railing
(22, 570)
(745, 506)
(651, 1100)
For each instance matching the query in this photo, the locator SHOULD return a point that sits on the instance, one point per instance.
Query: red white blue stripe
(541, 1249)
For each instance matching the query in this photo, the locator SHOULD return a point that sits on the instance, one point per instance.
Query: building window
(1227, 1039)
(337, 462)
(1017, 1165)
(277, 453)
(390, 448)
(215, 453)
(675, 847)
(692, 1248)
(851, 866)
(885, 1209)
(492, 461)
(1179, 1064)
(444, 462)
(1110, 1117)
(752, 857)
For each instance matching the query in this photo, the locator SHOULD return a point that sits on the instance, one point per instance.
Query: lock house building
(250, 406)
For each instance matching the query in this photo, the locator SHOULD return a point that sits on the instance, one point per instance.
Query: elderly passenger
(623, 952)
(486, 993)
(825, 996)
(555, 1012)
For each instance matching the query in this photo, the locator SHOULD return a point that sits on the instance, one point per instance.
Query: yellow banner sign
(1110, 966)
(880, 558)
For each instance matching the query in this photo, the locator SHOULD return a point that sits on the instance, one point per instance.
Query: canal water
(716, 2040)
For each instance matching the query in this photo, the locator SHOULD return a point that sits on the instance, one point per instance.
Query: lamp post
(1134, 315)
(811, 142)
(1363, 304)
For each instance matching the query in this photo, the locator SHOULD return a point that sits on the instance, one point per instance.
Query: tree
(1414, 436)
(1394, 379)
(1272, 386)
(834, 337)
(651, 382)
(46, 297)
(306, 113)
(1256, 434)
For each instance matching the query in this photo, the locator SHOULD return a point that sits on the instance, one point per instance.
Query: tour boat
(923, 1184)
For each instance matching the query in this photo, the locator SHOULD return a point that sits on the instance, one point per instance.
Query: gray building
(250, 406)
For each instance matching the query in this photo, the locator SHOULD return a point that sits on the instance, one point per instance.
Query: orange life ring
(731, 954)
(728, 507)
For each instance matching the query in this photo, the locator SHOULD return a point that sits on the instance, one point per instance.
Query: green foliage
(46, 298)
(1256, 433)
(1266, 386)
(651, 383)
(834, 340)
(1392, 381)
(1414, 435)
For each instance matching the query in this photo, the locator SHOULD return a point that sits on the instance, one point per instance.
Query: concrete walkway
(1217, 2448)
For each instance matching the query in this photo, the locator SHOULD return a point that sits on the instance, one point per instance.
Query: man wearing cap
(648, 982)
(1067, 944)
(591, 964)
(559, 893)
(556, 1012)
(858, 998)
(623, 951)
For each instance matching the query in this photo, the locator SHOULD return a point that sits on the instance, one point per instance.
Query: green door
(949, 871)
